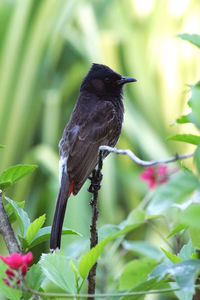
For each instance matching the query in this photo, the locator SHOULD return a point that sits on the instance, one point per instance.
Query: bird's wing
(98, 129)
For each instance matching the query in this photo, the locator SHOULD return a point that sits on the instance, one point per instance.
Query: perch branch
(94, 188)
(145, 163)
(7, 231)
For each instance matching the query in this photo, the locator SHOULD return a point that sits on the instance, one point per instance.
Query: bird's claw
(95, 181)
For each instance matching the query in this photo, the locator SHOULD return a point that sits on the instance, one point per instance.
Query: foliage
(40, 42)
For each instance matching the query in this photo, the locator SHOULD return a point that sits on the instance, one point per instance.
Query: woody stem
(94, 188)
(7, 231)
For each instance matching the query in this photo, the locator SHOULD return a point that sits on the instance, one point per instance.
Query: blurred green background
(47, 47)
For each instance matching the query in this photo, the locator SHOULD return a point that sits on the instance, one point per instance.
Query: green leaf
(190, 216)
(143, 248)
(44, 233)
(174, 258)
(192, 38)
(21, 216)
(136, 218)
(177, 229)
(184, 273)
(135, 272)
(57, 269)
(180, 186)
(183, 119)
(187, 138)
(181, 295)
(195, 236)
(10, 211)
(34, 227)
(147, 285)
(75, 270)
(23, 243)
(2, 146)
(194, 103)
(8, 292)
(5, 184)
(187, 251)
(15, 173)
(89, 259)
(106, 230)
(35, 277)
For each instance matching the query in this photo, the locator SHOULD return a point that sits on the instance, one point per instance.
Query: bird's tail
(64, 193)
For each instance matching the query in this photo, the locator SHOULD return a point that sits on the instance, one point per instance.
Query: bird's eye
(107, 79)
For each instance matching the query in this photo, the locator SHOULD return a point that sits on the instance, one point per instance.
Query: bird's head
(102, 80)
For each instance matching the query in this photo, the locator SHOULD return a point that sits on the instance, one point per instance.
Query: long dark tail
(59, 214)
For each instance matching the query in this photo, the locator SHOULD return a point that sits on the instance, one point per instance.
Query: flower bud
(6, 281)
(24, 270)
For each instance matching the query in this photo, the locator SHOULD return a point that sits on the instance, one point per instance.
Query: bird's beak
(124, 80)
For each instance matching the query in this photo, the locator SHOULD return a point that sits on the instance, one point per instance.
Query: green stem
(63, 295)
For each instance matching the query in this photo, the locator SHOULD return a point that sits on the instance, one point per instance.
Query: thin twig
(7, 231)
(106, 295)
(145, 163)
(94, 188)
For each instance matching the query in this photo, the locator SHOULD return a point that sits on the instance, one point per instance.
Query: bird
(96, 120)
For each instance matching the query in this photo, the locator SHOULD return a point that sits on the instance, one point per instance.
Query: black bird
(96, 120)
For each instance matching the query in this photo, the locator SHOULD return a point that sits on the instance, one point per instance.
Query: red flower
(155, 175)
(14, 260)
(19, 263)
(27, 258)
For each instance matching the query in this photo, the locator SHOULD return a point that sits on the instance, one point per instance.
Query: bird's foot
(95, 181)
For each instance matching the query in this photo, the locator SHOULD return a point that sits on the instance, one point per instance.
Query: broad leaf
(57, 269)
(192, 38)
(44, 233)
(147, 285)
(143, 248)
(5, 184)
(34, 227)
(190, 216)
(135, 219)
(90, 258)
(187, 251)
(195, 236)
(187, 138)
(15, 173)
(10, 211)
(184, 273)
(180, 186)
(180, 294)
(21, 216)
(23, 243)
(106, 230)
(35, 277)
(135, 272)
